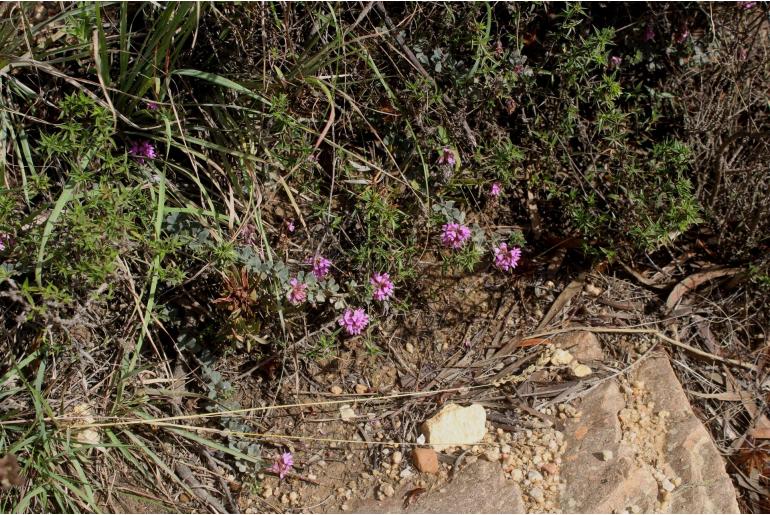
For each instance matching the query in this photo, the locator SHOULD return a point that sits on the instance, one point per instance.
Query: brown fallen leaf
(570, 291)
(761, 429)
(412, 495)
(695, 280)
(9, 472)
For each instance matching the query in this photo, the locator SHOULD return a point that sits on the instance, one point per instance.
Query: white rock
(347, 413)
(534, 476)
(455, 425)
(396, 458)
(607, 455)
(336, 390)
(580, 370)
(387, 490)
(537, 494)
(560, 357)
(410, 348)
(667, 485)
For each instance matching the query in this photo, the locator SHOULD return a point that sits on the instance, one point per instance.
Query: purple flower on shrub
(746, 5)
(649, 33)
(454, 235)
(354, 320)
(681, 36)
(447, 157)
(383, 286)
(290, 225)
(496, 189)
(283, 464)
(298, 292)
(506, 259)
(5, 241)
(141, 150)
(615, 61)
(152, 106)
(320, 266)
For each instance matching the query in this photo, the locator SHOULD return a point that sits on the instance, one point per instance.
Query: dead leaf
(761, 429)
(570, 291)
(9, 472)
(412, 495)
(695, 280)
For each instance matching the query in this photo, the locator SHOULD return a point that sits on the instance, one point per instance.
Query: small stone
(492, 454)
(396, 458)
(347, 413)
(561, 357)
(517, 475)
(677, 481)
(593, 290)
(361, 389)
(336, 390)
(667, 485)
(456, 425)
(537, 494)
(580, 370)
(425, 460)
(293, 496)
(321, 463)
(387, 490)
(410, 348)
(534, 476)
(285, 499)
(407, 472)
(607, 455)
(550, 468)
(344, 507)
(267, 492)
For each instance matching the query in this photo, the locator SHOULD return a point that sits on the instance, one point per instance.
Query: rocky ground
(567, 422)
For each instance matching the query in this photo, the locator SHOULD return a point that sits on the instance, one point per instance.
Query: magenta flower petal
(321, 266)
(383, 286)
(297, 292)
(506, 259)
(454, 235)
(354, 320)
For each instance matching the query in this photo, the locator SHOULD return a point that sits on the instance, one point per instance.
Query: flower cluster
(321, 266)
(298, 292)
(383, 286)
(495, 190)
(506, 259)
(354, 320)
(454, 235)
(283, 464)
(141, 150)
(447, 157)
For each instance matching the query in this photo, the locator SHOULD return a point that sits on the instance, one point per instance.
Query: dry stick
(165, 420)
(653, 332)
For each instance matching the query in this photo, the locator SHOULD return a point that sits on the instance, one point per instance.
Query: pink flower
(142, 150)
(615, 61)
(649, 33)
(454, 235)
(354, 320)
(283, 464)
(383, 286)
(298, 292)
(320, 266)
(496, 189)
(152, 106)
(682, 35)
(506, 259)
(747, 5)
(290, 225)
(447, 157)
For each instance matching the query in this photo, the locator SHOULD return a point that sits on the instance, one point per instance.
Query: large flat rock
(638, 446)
